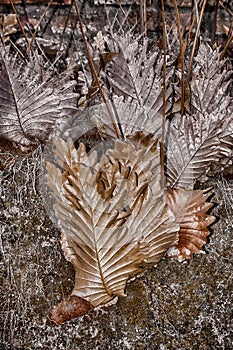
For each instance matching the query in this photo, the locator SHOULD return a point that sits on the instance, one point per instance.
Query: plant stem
(64, 29)
(37, 27)
(195, 43)
(182, 51)
(230, 39)
(90, 60)
(214, 22)
(162, 149)
(19, 22)
(143, 17)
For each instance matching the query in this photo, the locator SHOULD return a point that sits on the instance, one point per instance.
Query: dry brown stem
(19, 22)
(162, 151)
(195, 42)
(92, 66)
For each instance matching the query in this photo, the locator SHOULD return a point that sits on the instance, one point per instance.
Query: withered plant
(143, 126)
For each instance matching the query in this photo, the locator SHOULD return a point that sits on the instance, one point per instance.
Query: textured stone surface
(55, 2)
(173, 306)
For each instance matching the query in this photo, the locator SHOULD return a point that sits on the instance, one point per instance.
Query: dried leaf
(7, 26)
(86, 84)
(190, 209)
(193, 144)
(105, 58)
(134, 71)
(201, 143)
(137, 74)
(70, 308)
(31, 101)
(210, 82)
(93, 124)
(132, 118)
(112, 214)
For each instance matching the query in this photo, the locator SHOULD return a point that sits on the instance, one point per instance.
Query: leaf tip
(68, 309)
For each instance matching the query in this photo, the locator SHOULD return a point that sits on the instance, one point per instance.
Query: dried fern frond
(31, 100)
(190, 209)
(112, 215)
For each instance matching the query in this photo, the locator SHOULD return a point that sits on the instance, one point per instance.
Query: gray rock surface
(173, 306)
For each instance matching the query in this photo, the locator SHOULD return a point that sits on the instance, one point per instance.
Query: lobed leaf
(190, 209)
(112, 214)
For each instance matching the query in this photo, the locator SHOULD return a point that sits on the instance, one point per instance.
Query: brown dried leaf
(112, 214)
(105, 58)
(190, 209)
(70, 308)
(7, 26)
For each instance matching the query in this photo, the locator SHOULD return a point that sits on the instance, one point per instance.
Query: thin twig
(213, 33)
(43, 53)
(196, 9)
(188, 36)
(17, 49)
(162, 150)
(19, 22)
(182, 51)
(230, 39)
(90, 60)
(64, 29)
(226, 9)
(195, 43)
(120, 6)
(37, 27)
(126, 14)
(143, 17)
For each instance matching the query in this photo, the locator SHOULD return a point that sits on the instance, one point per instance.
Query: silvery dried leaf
(200, 143)
(193, 145)
(137, 73)
(95, 120)
(31, 100)
(210, 82)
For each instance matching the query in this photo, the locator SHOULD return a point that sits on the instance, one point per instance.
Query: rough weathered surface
(55, 2)
(94, 13)
(173, 306)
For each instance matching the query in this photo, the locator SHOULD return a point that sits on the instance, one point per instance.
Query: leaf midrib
(14, 95)
(190, 160)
